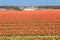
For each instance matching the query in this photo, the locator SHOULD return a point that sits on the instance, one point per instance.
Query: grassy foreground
(48, 38)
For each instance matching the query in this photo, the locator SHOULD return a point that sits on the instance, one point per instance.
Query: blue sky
(29, 2)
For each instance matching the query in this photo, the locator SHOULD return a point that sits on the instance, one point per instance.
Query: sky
(29, 2)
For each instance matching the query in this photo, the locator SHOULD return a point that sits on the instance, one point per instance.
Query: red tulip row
(10, 22)
(31, 32)
(29, 27)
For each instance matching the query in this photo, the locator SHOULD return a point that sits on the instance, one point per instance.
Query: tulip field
(30, 25)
